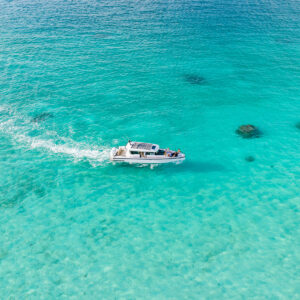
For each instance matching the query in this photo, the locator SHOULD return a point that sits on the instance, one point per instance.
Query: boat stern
(112, 153)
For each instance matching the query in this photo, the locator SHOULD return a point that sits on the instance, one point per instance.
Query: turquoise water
(78, 78)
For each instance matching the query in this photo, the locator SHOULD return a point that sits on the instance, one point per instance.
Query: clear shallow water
(74, 226)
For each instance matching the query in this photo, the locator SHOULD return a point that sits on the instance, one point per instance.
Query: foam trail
(79, 151)
(76, 151)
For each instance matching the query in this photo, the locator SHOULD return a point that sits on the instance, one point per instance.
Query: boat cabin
(143, 149)
(135, 152)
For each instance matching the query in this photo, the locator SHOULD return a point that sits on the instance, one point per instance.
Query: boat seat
(121, 152)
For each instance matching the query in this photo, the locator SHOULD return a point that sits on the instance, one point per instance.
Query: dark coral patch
(248, 131)
(10, 201)
(298, 125)
(42, 117)
(249, 158)
(194, 79)
(102, 36)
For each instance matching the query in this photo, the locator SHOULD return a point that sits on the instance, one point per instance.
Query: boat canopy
(143, 147)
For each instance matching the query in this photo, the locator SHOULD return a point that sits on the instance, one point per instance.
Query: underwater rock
(194, 79)
(40, 191)
(248, 131)
(298, 125)
(102, 35)
(250, 158)
(12, 201)
(42, 117)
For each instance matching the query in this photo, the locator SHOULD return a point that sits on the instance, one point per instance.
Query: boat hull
(153, 159)
(149, 160)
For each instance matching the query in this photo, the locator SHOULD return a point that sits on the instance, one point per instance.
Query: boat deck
(121, 152)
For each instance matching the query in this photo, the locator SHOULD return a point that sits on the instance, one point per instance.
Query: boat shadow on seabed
(194, 167)
(182, 167)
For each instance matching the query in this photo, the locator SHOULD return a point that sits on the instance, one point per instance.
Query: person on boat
(175, 154)
(168, 152)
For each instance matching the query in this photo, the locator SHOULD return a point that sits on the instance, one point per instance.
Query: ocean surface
(80, 77)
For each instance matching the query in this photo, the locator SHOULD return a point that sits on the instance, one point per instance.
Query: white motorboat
(145, 153)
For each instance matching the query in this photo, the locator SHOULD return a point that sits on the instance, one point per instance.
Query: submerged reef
(194, 79)
(12, 199)
(248, 131)
(298, 125)
(102, 35)
(250, 158)
(42, 117)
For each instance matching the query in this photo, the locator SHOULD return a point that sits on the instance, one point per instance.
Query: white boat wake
(79, 151)
(19, 131)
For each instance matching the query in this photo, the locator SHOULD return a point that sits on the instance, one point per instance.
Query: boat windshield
(160, 152)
